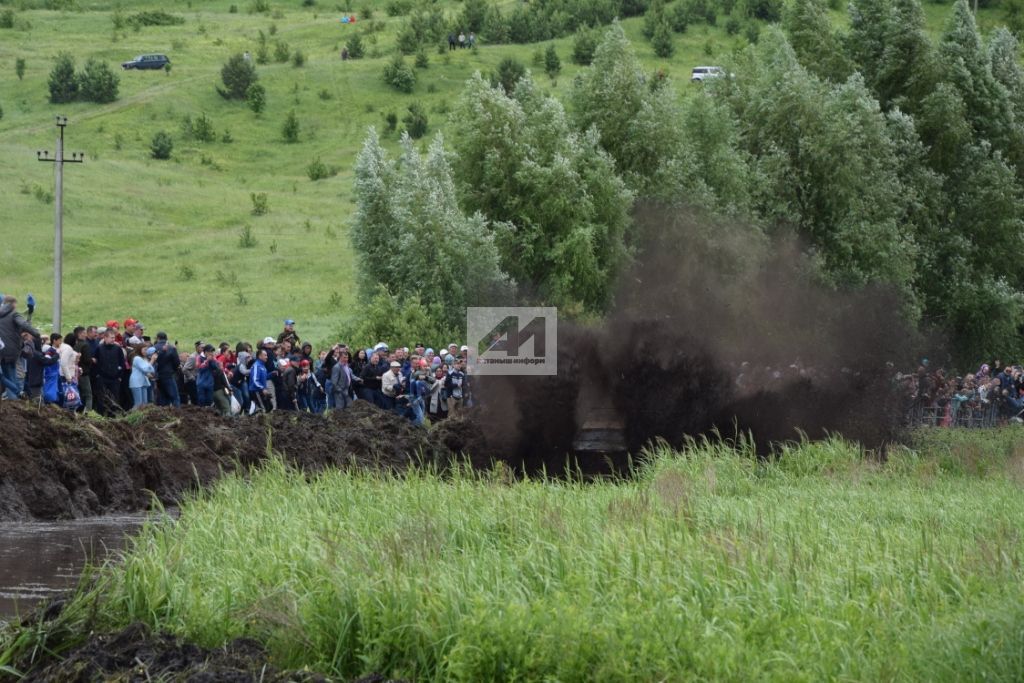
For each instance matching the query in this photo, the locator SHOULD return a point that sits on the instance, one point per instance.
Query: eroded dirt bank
(55, 465)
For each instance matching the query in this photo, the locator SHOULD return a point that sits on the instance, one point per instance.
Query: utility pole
(58, 239)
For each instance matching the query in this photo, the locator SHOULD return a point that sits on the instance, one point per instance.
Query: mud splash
(56, 465)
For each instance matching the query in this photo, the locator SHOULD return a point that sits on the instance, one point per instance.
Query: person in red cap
(129, 328)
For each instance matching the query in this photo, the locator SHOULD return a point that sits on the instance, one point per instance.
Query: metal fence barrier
(956, 414)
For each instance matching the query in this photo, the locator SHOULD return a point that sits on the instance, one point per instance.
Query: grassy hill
(159, 240)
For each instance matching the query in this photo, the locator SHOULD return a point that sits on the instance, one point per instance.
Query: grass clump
(710, 564)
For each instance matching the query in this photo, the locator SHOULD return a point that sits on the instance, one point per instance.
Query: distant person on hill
(462, 39)
(12, 324)
(451, 41)
(472, 39)
(344, 53)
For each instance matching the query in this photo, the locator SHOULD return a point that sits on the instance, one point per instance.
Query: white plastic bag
(236, 407)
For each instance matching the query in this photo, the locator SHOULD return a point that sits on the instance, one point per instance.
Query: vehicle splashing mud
(715, 330)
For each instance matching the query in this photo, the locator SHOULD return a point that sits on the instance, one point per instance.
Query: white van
(703, 73)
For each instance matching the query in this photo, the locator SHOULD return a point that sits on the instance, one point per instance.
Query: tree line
(898, 160)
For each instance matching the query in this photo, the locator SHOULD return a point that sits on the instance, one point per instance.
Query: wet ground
(41, 559)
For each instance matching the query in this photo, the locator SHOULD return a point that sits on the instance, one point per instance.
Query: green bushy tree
(415, 121)
(256, 97)
(816, 45)
(522, 163)
(63, 83)
(552, 64)
(356, 49)
(413, 239)
(161, 146)
(97, 82)
(290, 130)
(237, 74)
(399, 75)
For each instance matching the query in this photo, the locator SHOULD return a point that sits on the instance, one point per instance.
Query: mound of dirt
(137, 655)
(58, 465)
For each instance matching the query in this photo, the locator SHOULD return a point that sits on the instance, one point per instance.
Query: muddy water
(41, 559)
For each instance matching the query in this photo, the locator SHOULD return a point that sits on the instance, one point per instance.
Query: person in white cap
(391, 384)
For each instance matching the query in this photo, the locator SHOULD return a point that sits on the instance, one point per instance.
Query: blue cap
(151, 350)
(289, 322)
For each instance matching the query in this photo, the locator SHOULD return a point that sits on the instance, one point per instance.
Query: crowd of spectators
(991, 395)
(118, 367)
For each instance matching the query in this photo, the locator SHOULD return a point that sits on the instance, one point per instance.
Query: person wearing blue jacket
(205, 366)
(139, 381)
(258, 381)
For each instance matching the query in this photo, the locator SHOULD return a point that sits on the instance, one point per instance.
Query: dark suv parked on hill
(147, 62)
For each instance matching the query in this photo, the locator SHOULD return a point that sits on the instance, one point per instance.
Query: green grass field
(707, 566)
(159, 240)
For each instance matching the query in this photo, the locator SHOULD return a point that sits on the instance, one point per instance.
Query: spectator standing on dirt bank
(273, 377)
(84, 350)
(221, 388)
(110, 364)
(69, 359)
(204, 376)
(288, 334)
(167, 366)
(455, 385)
(31, 350)
(12, 324)
(391, 384)
(341, 382)
(142, 371)
(188, 374)
(258, 382)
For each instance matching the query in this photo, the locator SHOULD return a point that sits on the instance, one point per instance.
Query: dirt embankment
(56, 465)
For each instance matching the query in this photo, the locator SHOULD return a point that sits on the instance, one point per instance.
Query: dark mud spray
(715, 327)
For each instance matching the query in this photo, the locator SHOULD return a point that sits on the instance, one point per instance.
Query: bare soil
(58, 465)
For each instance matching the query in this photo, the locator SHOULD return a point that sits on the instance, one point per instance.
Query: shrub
(7, 18)
(290, 129)
(415, 121)
(237, 74)
(19, 67)
(202, 129)
(733, 26)
(662, 40)
(161, 146)
(422, 60)
(233, 9)
(318, 170)
(1, 113)
(246, 237)
(259, 7)
(391, 121)
(584, 46)
(298, 59)
(281, 51)
(260, 203)
(356, 50)
(256, 97)
(262, 54)
(552, 64)
(97, 82)
(398, 8)
(679, 17)
(510, 70)
(155, 18)
(399, 75)
(63, 83)
(227, 137)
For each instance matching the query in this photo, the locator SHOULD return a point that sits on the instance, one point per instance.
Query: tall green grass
(824, 565)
